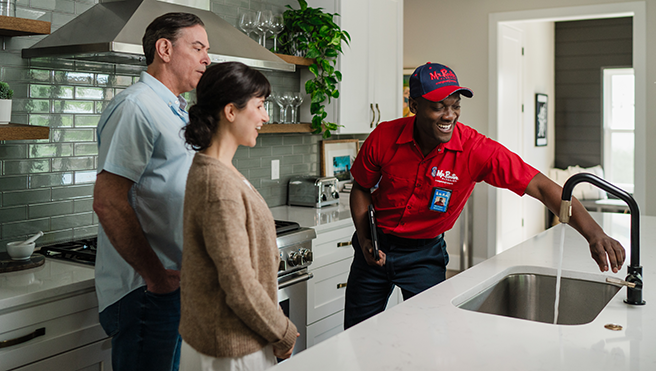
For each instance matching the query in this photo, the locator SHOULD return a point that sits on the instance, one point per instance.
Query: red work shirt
(421, 197)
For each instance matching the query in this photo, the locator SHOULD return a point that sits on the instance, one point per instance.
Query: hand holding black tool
(374, 236)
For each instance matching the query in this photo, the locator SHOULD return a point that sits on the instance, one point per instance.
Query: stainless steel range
(295, 245)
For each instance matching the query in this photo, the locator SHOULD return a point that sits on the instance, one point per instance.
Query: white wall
(456, 33)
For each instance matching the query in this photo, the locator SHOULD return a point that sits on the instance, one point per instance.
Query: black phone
(372, 226)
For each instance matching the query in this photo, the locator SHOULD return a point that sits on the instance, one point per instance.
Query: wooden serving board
(7, 264)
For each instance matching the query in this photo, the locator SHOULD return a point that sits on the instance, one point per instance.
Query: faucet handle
(617, 281)
(565, 211)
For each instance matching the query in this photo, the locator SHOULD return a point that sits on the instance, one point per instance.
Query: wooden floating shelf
(299, 61)
(19, 131)
(12, 26)
(285, 128)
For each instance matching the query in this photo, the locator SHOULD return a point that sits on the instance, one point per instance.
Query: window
(619, 126)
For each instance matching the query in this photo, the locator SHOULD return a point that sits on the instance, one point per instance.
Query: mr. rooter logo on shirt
(444, 176)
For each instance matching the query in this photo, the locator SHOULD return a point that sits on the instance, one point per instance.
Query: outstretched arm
(603, 248)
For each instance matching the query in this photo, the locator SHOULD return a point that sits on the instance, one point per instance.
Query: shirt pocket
(393, 191)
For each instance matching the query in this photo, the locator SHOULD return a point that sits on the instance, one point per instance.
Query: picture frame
(337, 157)
(541, 122)
(407, 72)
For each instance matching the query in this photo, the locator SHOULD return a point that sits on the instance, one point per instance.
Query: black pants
(412, 264)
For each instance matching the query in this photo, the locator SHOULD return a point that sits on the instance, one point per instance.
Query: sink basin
(532, 296)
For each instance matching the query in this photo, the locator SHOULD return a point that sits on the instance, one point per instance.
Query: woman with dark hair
(230, 312)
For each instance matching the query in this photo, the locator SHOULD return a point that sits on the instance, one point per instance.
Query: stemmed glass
(268, 106)
(297, 100)
(263, 25)
(281, 101)
(288, 96)
(277, 25)
(247, 21)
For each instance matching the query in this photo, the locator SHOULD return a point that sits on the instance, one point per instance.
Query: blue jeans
(412, 264)
(144, 330)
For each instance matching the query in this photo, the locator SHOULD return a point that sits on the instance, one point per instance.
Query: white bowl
(19, 250)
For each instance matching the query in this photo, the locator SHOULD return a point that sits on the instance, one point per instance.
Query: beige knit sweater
(229, 266)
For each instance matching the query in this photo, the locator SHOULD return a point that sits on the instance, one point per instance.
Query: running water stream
(560, 272)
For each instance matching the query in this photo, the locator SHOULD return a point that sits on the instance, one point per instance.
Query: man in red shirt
(424, 168)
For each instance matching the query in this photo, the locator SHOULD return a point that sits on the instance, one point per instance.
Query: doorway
(497, 214)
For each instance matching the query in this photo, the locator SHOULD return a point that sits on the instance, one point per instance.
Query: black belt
(410, 242)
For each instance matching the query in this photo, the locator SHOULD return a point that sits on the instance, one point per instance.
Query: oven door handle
(296, 280)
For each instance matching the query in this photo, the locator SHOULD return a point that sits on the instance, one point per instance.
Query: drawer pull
(11, 342)
(341, 285)
(342, 244)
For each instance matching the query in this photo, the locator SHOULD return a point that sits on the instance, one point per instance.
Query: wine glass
(297, 100)
(277, 25)
(247, 21)
(280, 100)
(268, 107)
(288, 96)
(263, 25)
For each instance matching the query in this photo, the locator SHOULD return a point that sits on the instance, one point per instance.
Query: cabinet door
(327, 290)
(354, 103)
(324, 329)
(95, 356)
(386, 54)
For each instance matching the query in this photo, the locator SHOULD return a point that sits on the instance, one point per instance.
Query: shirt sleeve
(502, 168)
(227, 243)
(126, 141)
(366, 167)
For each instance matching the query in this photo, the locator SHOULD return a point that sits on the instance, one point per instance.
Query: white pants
(192, 360)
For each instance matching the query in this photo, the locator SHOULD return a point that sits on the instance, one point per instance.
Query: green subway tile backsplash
(51, 180)
(50, 150)
(48, 184)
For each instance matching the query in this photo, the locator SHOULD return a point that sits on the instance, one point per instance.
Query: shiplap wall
(583, 49)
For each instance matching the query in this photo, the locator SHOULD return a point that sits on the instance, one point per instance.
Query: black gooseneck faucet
(634, 295)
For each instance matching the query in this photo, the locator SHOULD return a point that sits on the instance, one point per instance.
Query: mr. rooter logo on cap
(435, 82)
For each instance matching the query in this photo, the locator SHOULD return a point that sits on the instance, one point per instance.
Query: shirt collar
(455, 144)
(177, 104)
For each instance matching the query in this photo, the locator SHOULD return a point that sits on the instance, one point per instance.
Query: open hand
(605, 249)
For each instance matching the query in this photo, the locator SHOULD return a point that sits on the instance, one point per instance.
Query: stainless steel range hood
(111, 32)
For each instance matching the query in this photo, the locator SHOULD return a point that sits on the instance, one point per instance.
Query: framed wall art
(540, 120)
(337, 157)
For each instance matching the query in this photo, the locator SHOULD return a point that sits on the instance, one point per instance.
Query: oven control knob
(295, 259)
(307, 256)
(335, 194)
(324, 198)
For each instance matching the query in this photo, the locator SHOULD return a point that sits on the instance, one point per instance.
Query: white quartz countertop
(330, 217)
(428, 332)
(52, 280)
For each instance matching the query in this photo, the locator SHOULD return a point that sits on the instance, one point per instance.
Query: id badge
(440, 199)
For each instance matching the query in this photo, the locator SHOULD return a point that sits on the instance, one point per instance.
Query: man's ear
(412, 104)
(164, 49)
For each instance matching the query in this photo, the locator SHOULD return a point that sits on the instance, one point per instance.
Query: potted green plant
(312, 33)
(5, 102)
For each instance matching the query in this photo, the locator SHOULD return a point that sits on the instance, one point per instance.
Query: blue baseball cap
(434, 81)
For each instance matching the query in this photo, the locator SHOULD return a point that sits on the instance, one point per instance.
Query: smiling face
(248, 121)
(434, 121)
(189, 59)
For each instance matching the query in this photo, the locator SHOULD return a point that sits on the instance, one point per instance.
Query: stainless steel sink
(532, 296)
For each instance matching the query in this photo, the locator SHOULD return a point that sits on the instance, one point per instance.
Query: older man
(139, 192)
(425, 167)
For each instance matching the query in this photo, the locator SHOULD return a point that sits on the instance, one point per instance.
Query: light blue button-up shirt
(139, 138)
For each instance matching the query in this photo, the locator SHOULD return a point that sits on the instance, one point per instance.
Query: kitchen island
(428, 332)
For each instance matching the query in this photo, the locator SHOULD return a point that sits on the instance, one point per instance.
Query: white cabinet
(371, 90)
(66, 335)
(326, 291)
